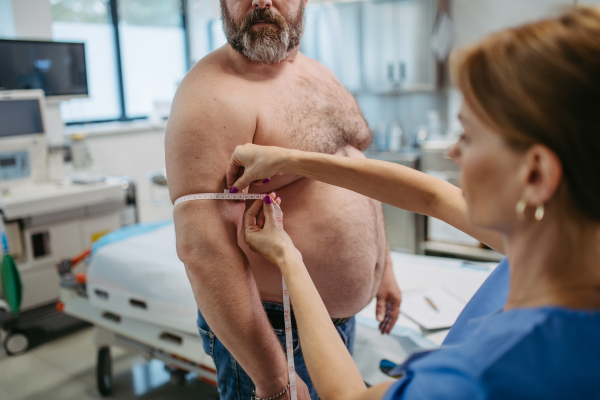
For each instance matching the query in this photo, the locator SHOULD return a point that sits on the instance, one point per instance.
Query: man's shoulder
(209, 95)
(210, 77)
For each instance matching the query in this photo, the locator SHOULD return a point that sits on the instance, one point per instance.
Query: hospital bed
(137, 296)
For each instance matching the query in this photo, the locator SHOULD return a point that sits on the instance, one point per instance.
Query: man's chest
(310, 114)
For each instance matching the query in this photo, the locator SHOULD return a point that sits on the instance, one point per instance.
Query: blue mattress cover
(127, 232)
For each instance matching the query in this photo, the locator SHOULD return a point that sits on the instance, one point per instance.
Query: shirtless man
(259, 89)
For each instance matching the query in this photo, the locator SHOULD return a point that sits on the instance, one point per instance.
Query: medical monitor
(58, 68)
(20, 117)
(23, 143)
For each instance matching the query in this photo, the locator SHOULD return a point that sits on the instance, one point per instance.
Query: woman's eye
(463, 138)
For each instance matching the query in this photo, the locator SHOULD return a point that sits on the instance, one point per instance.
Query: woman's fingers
(271, 210)
(234, 169)
(237, 176)
(258, 216)
(260, 220)
(259, 182)
(252, 213)
(244, 181)
(253, 165)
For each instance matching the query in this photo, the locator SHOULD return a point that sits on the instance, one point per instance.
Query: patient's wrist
(276, 396)
(272, 387)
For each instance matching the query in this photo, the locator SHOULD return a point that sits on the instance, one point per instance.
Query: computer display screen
(20, 117)
(57, 68)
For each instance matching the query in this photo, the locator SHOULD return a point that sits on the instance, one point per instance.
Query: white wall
(133, 154)
(32, 19)
(25, 19)
(474, 19)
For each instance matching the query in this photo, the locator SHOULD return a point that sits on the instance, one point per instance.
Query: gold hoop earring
(521, 204)
(539, 212)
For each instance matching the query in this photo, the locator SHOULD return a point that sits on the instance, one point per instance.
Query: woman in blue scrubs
(530, 161)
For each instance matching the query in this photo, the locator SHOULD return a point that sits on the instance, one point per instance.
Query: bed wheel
(178, 376)
(16, 343)
(104, 371)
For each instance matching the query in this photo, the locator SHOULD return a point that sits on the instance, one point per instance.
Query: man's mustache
(263, 15)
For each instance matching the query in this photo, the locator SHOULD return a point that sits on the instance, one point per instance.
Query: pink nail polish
(267, 180)
(268, 199)
(278, 198)
(233, 190)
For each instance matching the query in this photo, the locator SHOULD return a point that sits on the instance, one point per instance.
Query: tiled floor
(64, 369)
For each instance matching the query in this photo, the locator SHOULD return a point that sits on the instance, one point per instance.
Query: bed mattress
(136, 273)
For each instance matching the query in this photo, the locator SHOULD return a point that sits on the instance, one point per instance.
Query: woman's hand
(268, 238)
(253, 164)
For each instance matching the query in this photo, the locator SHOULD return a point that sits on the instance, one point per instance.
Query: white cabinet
(396, 40)
(373, 46)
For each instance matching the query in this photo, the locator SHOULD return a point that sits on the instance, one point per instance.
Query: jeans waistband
(276, 317)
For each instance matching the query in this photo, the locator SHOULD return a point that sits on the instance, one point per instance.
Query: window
(89, 21)
(135, 51)
(153, 52)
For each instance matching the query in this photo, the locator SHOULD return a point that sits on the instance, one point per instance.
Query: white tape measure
(289, 344)
(220, 196)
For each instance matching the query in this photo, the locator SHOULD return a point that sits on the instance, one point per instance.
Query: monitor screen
(20, 117)
(56, 67)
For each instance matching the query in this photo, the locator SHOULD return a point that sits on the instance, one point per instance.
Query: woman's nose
(453, 152)
(260, 4)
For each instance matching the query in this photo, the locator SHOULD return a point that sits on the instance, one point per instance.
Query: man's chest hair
(320, 115)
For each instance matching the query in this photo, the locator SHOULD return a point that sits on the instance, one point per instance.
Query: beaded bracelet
(255, 397)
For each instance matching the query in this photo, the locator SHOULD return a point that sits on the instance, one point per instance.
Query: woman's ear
(543, 176)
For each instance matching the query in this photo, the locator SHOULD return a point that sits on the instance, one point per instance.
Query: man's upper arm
(204, 128)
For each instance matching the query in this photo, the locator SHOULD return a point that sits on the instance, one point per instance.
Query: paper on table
(416, 307)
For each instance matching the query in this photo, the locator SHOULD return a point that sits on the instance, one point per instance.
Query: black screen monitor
(20, 117)
(58, 68)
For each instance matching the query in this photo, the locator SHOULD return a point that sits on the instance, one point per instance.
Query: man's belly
(342, 242)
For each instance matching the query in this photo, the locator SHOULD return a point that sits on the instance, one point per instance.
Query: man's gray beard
(263, 46)
(266, 49)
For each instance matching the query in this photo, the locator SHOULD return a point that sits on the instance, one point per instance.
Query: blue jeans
(234, 383)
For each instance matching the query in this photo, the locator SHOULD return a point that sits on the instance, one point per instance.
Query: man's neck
(555, 262)
(243, 66)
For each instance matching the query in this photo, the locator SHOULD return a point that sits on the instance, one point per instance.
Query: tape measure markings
(220, 196)
(288, 340)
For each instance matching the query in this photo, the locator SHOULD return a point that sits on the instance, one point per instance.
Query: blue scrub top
(531, 353)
